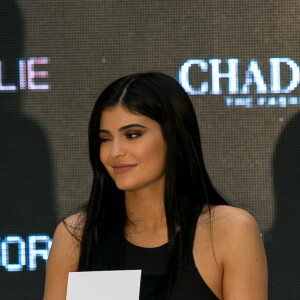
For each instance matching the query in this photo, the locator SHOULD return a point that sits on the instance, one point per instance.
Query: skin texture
(228, 250)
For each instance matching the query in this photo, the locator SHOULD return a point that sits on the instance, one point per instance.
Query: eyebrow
(123, 128)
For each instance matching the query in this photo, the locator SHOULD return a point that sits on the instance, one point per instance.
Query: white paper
(104, 285)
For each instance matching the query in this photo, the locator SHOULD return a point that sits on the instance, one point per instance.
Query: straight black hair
(187, 185)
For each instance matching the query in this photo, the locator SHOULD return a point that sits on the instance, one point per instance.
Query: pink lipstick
(122, 168)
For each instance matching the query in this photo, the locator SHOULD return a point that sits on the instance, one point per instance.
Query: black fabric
(153, 263)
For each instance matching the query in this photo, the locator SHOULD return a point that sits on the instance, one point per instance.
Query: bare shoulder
(66, 240)
(68, 231)
(73, 225)
(227, 228)
(240, 250)
(232, 239)
(235, 228)
(226, 217)
(63, 257)
(229, 216)
(231, 225)
(75, 220)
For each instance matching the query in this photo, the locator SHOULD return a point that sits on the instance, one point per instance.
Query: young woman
(153, 206)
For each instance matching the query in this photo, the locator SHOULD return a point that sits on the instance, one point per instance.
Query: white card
(104, 285)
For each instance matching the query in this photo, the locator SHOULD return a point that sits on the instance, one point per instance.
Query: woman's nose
(117, 148)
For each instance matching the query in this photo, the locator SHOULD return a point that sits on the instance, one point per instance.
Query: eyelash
(128, 136)
(101, 140)
(132, 135)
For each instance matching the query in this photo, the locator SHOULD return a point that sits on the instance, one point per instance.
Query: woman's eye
(102, 139)
(132, 135)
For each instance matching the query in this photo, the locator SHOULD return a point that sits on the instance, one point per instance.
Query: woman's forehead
(117, 116)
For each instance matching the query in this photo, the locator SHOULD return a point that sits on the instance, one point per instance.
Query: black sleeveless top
(153, 263)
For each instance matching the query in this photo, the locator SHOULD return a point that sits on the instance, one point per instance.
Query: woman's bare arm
(244, 260)
(63, 258)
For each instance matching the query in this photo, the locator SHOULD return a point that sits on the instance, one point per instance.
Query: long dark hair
(187, 185)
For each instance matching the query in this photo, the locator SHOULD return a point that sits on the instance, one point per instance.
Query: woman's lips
(119, 169)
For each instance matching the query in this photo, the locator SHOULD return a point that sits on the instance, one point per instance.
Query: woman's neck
(146, 225)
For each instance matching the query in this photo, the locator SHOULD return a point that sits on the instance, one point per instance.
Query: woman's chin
(126, 187)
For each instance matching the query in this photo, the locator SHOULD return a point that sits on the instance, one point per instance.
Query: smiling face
(132, 149)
